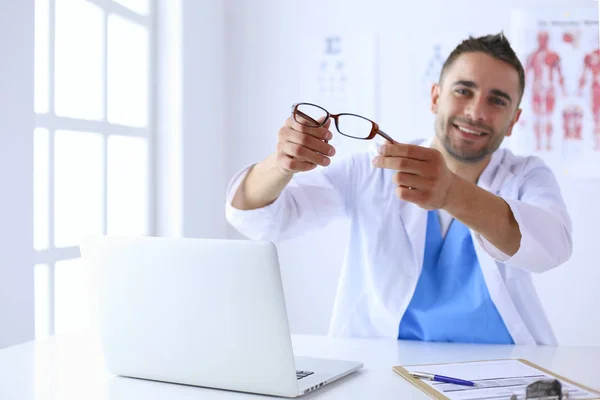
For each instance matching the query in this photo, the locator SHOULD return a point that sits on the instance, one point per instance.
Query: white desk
(71, 368)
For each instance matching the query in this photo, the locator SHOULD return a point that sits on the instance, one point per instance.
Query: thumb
(327, 124)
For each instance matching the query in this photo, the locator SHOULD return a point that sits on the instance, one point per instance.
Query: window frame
(52, 123)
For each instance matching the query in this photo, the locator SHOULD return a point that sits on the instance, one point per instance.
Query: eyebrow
(471, 84)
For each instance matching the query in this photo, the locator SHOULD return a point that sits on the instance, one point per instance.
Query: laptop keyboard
(303, 374)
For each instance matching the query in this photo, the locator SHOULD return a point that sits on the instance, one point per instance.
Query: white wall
(168, 149)
(191, 119)
(16, 172)
(204, 118)
(268, 43)
(570, 293)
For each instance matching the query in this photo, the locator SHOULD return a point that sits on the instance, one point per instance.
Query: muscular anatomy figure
(592, 63)
(544, 65)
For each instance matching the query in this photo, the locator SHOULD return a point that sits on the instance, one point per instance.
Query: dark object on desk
(546, 389)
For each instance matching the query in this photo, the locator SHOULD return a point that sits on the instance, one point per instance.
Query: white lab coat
(387, 240)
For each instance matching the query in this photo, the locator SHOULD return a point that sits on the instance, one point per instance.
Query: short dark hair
(496, 46)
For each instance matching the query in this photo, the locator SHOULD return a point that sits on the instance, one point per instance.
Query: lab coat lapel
(501, 297)
(414, 219)
(496, 174)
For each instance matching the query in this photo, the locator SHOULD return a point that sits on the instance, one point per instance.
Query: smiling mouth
(469, 131)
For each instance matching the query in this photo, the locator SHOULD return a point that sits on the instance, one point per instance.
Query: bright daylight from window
(92, 142)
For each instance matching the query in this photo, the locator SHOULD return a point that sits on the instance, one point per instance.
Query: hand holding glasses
(303, 141)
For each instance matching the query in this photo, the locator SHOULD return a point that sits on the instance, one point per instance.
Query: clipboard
(429, 390)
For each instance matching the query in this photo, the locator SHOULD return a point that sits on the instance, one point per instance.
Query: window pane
(127, 72)
(127, 186)
(139, 6)
(41, 151)
(71, 308)
(78, 186)
(41, 60)
(41, 290)
(79, 60)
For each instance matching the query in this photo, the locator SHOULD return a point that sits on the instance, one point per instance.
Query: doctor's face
(476, 106)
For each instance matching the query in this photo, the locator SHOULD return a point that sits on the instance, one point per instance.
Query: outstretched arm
(511, 226)
(300, 148)
(424, 179)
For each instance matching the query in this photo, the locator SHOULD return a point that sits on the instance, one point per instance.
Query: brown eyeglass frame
(374, 129)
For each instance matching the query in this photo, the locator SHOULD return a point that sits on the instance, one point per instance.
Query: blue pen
(441, 378)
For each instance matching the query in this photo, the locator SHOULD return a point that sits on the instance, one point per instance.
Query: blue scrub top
(451, 302)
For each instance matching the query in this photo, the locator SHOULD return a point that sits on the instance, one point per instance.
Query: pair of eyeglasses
(350, 125)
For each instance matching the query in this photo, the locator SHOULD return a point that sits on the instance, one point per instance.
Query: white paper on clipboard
(494, 379)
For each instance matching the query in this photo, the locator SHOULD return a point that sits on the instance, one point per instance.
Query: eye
(498, 101)
(462, 91)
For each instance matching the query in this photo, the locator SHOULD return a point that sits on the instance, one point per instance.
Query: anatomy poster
(560, 121)
(347, 81)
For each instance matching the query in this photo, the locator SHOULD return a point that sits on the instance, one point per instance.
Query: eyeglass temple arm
(385, 135)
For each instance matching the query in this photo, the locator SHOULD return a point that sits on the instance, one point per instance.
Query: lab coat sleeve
(311, 200)
(492, 250)
(546, 229)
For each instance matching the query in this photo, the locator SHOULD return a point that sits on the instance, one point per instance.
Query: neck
(467, 171)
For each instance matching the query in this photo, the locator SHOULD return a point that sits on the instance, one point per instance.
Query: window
(92, 142)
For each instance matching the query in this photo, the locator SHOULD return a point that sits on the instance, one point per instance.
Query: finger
(321, 132)
(305, 119)
(403, 164)
(309, 142)
(412, 181)
(294, 165)
(302, 153)
(410, 195)
(406, 150)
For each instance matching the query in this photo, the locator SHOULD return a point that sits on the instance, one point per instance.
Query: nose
(476, 109)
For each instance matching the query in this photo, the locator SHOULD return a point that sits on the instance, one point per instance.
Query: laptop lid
(204, 312)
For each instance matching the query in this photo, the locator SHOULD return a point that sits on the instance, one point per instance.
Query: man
(445, 233)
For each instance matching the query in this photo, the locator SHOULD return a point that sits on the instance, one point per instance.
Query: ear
(514, 121)
(435, 95)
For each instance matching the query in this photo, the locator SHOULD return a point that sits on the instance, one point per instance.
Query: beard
(461, 151)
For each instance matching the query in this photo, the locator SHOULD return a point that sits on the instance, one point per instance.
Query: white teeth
(469, 131)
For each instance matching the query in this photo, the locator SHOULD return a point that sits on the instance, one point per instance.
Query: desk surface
(71, 367)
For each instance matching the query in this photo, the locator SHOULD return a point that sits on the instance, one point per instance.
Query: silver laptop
(201, 312)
